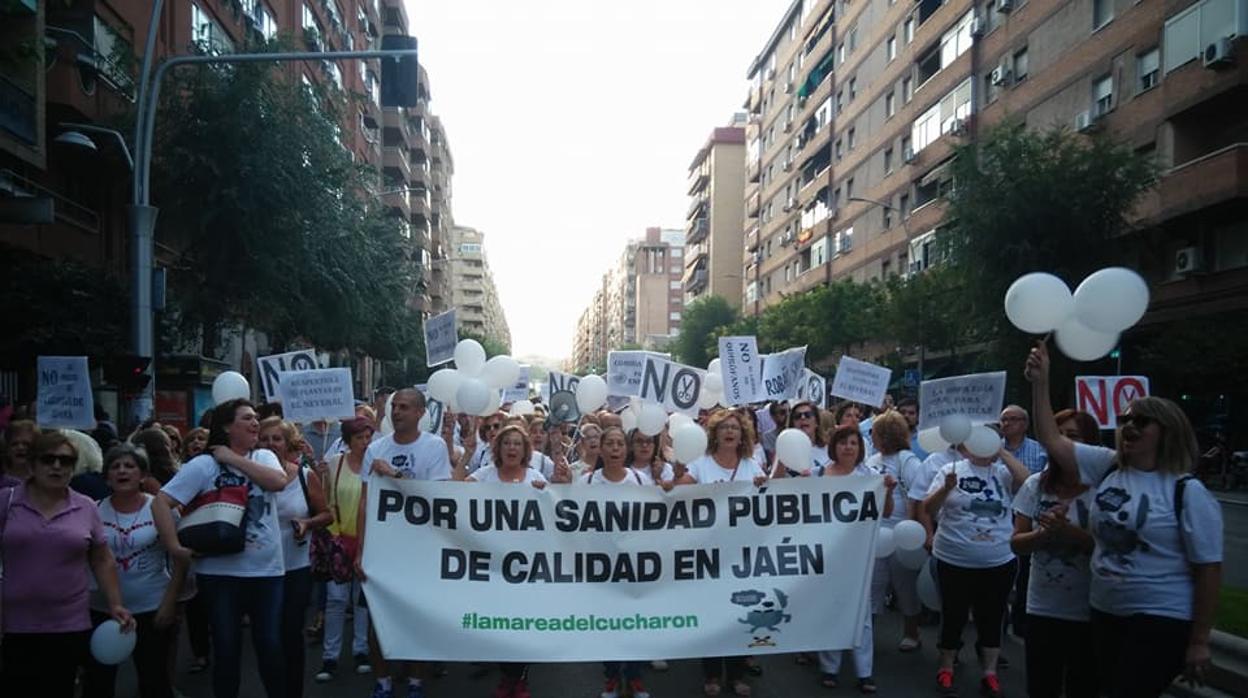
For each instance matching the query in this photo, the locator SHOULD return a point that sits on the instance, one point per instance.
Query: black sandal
(867, 685)
(829, 681)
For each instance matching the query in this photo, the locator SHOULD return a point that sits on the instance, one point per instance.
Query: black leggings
(1138, 656)
(965, 588)
(1060, 658)
(43, 664)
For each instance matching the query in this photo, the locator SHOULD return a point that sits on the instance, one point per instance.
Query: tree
(926, 309)
(826, 319)
(700, 320)
(492, 346)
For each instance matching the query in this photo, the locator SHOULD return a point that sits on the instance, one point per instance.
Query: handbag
(215, 522)
(333, 557)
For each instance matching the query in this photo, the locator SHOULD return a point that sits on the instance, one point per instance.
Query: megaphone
(563, 409)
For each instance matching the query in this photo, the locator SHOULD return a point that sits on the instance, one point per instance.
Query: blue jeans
(228, 600)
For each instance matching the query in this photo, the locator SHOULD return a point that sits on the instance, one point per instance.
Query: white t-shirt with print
(1059, 575)
(141, 562)
(632, 476)
(927, 472)
(422, 459)
(905, 467)
(291, 505)
(704, 470)
(975, 524)
(1141, 561)
(489, 473)
(262, 555)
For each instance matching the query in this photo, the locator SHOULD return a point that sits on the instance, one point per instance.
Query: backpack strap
(303, 485)
(1180, 488)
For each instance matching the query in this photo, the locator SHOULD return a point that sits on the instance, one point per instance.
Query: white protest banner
(505, 572)
(675, 386)
(861, 381)
(1106, 397)
(812, 388)
(520, 389)
(624, 369)
(271, 368)
(741, 367)
(440, 338)
(65, 400)
(781, 373)
(979, 396)
(321, 393)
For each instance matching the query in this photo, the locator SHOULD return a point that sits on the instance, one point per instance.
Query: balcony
(395, 165)
(752, 204)
(1204, 181)
(697, 230)
(698, 180)
(695, 282)
(752, 170)
(751, 239)
(699, 202)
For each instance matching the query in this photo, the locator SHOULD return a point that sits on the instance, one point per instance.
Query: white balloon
(885, 544)
(109, 645)
(1038, 302)
(714, 382)
(1082, 343)
(500, 372)
(912, 559)
(591, 393)
(930, 440)
(443, 384)
(928, 586)
(677, 420)
(469, 357)
(628, 419)
(713, 367)
(954, 428)
(1111, 300)
(651, 419)
(472, 396)
(708, 398)
(793, 450)
(688, 442)
(522, 408)
(495, 401)
(230, 385)
(635, 403)
(983, 442)
(910, 535)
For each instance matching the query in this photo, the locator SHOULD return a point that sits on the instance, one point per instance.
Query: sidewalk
(1236, 497)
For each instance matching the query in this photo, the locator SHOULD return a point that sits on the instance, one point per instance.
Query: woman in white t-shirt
(589, 439)
(970, 501)
(149, 590)
(804, 416)
(643, 456)
(1051, 528)
(540, 460)
(1157, 564)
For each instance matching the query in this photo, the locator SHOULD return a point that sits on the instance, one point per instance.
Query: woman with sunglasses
(644, 457)
(1157, 562)
(805, 417)
(51, 539)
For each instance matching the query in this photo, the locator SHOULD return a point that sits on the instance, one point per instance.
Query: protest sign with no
(861, 381)
(781, 373)
(624, 369)
(271, 368)
(673, 385)
(65, 400)
(979, 396)
(561, 396)
(322, 393)
(1106, 397)
(502, 572)
(740, 365)
(440, 338)
(812, 388)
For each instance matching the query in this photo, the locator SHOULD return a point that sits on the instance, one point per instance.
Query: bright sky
(572, 123)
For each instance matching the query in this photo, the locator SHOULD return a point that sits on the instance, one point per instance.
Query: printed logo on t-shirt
(1057, 560)
(983, 506)
(1117, 533)
(399, 461)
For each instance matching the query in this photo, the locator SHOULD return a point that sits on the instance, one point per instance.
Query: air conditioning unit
(1187, 260)
(977, 25)
(1086, 121)
(1219, 54)
(1001, 75)
(788, 125)
(1005, 6)
(788, 165)
(957, 127)
(786, 238)
(909, 155)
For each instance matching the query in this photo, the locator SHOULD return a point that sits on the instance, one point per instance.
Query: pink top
(46, 570)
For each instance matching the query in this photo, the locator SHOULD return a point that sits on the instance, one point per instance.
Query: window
(849, 188)
(1103, 95)
(1102, 13)
(853, 38)
(907, 29)
(907, 89)
(840, 101)
(1188, 33)
(942, 117)
(207, 34)
(887, 216)
(903, 203)
(265, 21)
(853, 88)
(840, 54)
(890, 47)
(839, 149)
(888, 160)
(850, 139)
(906, 146)
(890, 104)
(1148, 69)
(1020, 64)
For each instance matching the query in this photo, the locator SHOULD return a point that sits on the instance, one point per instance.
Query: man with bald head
(1014, 424)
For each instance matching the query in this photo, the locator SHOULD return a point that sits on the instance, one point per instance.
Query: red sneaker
(990, 686)
(506, 688)
(944, 682)
(638, 689)
(521, 690)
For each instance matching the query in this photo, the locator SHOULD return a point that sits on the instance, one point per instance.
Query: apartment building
(854, 107)
(441, 215)
(472, 291)
(714, 226)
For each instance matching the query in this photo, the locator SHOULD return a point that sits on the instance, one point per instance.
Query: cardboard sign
(861, 381)
(624, 369)
(440, 338)
(979, 396)
(520, 389)
(812, 387)
(562, 396)
(741, 366)
(1106, 397)
(65, 400)
(673, 385)
(321, 393)
(270, 369)
(434, 411)
(781, 373)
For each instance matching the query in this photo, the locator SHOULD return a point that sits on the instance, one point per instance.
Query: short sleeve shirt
(975, 524)
(1059, 573)
(905, 467)
(423, 459)
(633, 476)
(705, 470)
(489, 473)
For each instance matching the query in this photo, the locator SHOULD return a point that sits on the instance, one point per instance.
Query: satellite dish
(563, 409)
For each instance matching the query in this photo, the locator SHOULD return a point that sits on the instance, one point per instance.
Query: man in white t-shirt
(410, 454)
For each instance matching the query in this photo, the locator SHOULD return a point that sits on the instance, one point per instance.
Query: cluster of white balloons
(475, 386)
(1087, 323)
(712, 387)
(956, 429)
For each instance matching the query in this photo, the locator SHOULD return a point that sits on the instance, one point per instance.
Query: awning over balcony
(816, 76)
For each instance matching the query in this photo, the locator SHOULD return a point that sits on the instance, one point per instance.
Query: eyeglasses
(1139, 421)
(51, 459)
(491, 427)
(804, 414)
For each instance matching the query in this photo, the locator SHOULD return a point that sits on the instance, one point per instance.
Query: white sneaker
(908, 644)
(659, 664)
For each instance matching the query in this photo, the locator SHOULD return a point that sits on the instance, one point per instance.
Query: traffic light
(128, 373)
(400, 78)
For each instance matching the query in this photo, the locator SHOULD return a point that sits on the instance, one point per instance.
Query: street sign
(1106, 397)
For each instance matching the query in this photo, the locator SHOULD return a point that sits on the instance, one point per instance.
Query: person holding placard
(1157, 562)
(970, 500)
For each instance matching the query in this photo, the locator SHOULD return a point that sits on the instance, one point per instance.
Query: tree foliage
(700, 320)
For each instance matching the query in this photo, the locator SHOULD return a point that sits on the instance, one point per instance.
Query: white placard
(781, 373)
(322, 393)
(440, 338)
(505, 572)
(520, 389)
(861, 381)
(741, 367)
(270, 369)
(813, 388)
(434, 411)
(558, 383)
(1106, 397)
(65, 400)
(624, 369)
(979, 396)
(675, 386)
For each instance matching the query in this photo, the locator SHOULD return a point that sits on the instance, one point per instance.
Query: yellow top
(344, 498)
